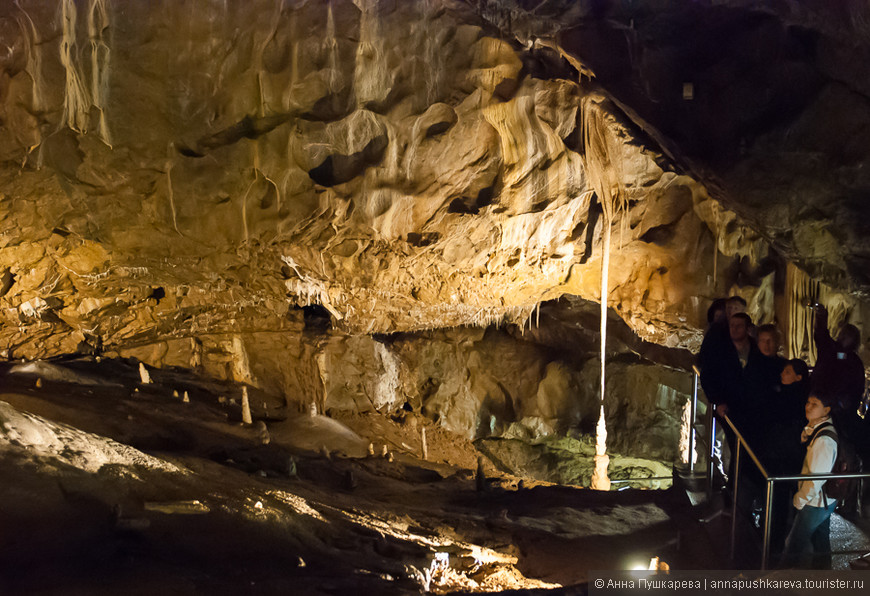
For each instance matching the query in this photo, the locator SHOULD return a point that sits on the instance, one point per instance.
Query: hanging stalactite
(803, 291)
(603, 160)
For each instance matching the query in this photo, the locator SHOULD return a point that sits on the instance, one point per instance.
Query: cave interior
(370, 296)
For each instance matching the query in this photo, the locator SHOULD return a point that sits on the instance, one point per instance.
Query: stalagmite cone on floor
(246, 407)
(263, 433)
(384, 451)
(186, 398)
(38, 383)
(175, 393)
(600, 480)
(371, 449)
(143, 374)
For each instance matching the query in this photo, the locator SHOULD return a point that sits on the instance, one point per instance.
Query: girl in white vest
(809, 542)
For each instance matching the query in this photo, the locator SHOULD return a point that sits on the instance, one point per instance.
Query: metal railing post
(771, 480)
(711, 461)
(734, 497)
(768, 519)
(692, 426)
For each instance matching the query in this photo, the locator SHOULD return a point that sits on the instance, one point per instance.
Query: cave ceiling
(186, 167)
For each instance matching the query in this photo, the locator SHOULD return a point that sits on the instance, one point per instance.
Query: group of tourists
(794, 420)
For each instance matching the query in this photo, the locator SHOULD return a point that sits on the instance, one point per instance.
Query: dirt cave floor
(109, 485)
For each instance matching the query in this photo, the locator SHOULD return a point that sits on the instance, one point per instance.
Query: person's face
(767, 344)
(737, 329)
(733, 307)
(789, 376)
(815, 410)
(846, 340)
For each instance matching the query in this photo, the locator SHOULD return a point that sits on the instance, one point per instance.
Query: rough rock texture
(293, 194)
(188, 168)
(476, 383)
(766, 103)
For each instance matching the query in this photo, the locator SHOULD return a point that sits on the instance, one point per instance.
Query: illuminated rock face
(179, 178)
(190, 168)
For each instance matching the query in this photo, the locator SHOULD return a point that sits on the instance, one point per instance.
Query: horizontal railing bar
(818, 476)
(650, 479)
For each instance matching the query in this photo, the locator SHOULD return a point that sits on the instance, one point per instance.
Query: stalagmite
(175, 394)
(246, 407)
(425, 447)
(185, 399)
(143, 374)
(263, 433)
(603, 159)
(38, 383)
(371, 449)
(600, 480)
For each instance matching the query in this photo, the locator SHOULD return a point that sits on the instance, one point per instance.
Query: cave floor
(110, 486)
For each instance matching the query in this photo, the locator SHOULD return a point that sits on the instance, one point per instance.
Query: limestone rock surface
(174, 170)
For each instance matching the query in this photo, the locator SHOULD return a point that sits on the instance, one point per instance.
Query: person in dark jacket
(717, 358)
(839, 371)
(724, 379)
(781, 454)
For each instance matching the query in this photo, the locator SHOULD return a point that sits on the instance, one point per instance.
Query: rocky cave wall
(180, 177)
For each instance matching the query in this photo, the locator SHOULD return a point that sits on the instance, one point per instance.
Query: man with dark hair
(724, 355)
(716, 312)
(734, 305)
(768, 340)
(765, 374)
(716, 357)
(748, 382)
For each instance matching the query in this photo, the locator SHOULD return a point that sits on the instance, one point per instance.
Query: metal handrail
(770, 480)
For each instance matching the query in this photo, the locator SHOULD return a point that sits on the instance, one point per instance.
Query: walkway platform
(705, 532)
